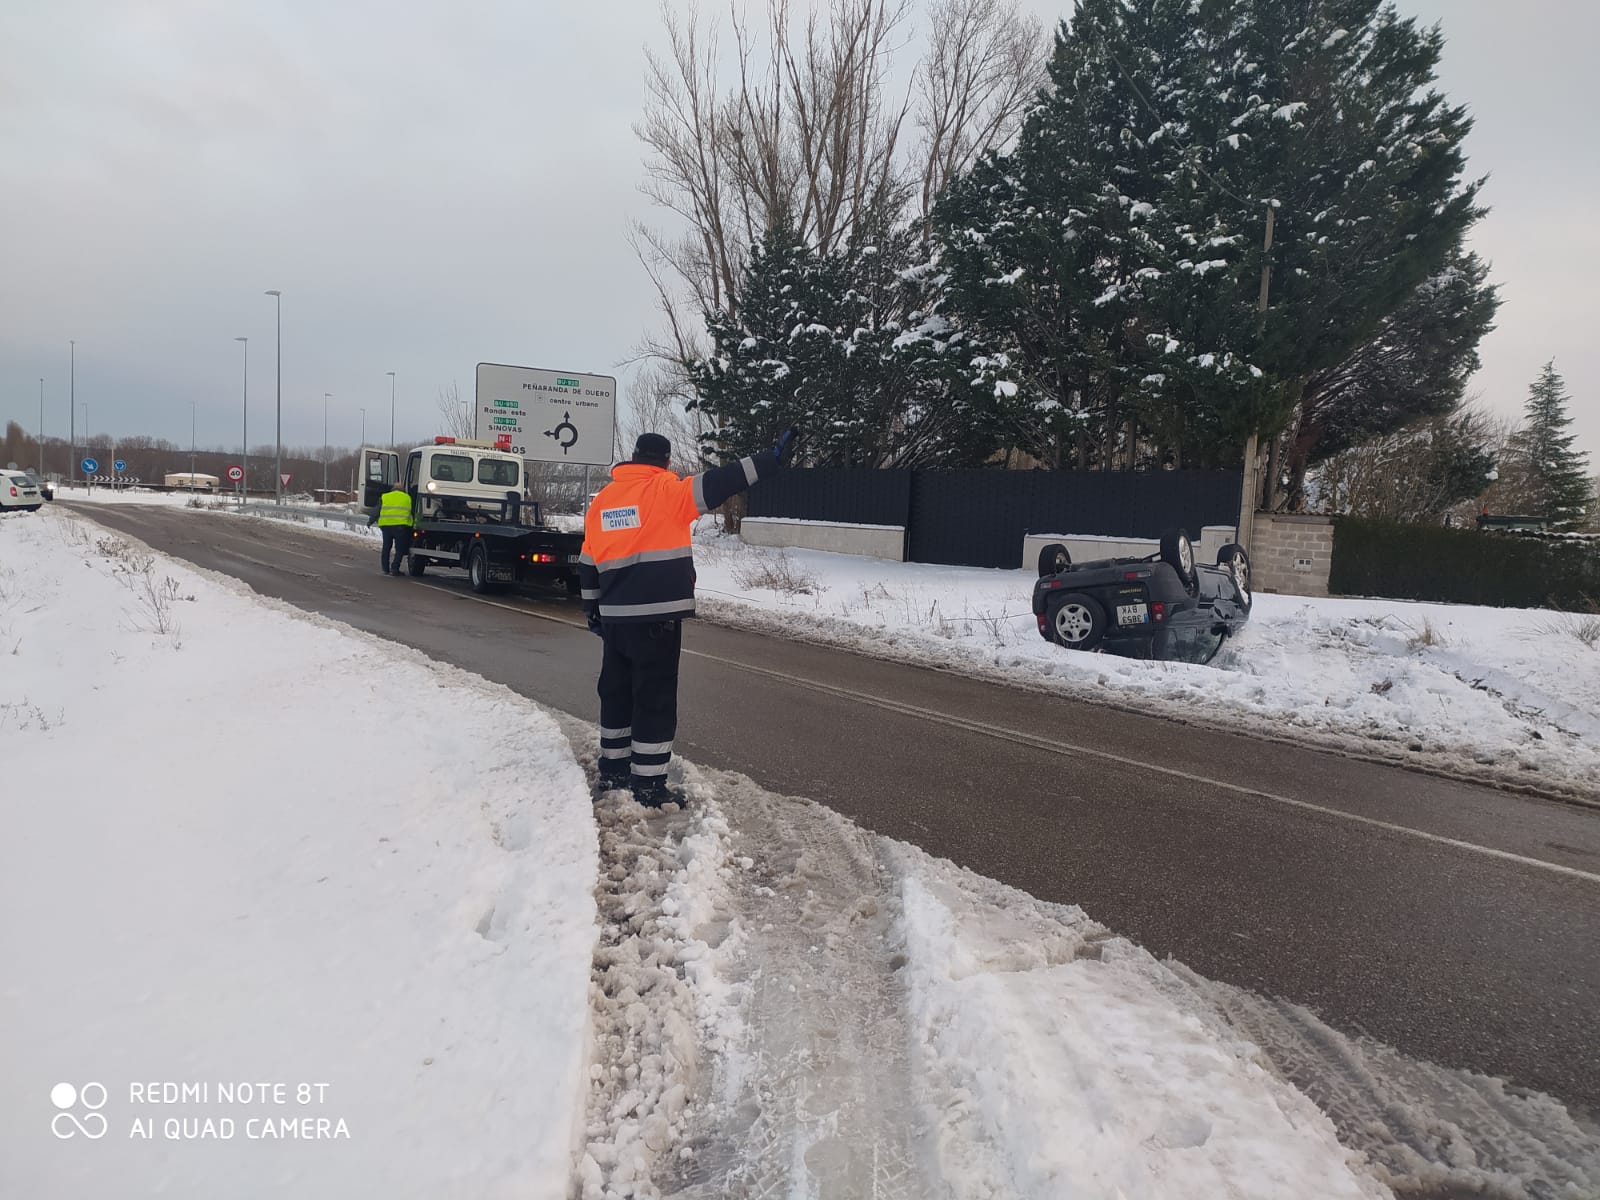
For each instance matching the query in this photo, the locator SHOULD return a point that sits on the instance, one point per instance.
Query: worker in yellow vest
(393, 520)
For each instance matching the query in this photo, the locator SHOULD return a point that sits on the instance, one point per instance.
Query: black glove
(785, 445)
(593, 618)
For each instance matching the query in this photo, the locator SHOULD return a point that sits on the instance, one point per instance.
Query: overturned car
(1166, 606)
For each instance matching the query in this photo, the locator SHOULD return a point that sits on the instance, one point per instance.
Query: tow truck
(470, 511)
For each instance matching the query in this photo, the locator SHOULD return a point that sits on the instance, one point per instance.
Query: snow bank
(1506, 695)
(1062, 1062)
(246, 846)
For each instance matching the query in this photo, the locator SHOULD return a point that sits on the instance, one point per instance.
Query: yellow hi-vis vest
(394, 509)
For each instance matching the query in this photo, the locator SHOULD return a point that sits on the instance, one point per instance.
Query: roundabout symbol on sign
(565, 434)
(120, 466)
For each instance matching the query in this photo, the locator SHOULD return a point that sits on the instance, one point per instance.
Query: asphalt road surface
(1459, 924)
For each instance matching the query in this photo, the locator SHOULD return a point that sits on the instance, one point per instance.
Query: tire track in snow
(1431, 1132)
(815, 1097)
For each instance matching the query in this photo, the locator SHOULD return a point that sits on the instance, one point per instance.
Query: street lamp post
(326, 396)
(72, 402)
(244, 465)
(277, 471)
(194, 412)
(363, 427)
(391, 409)
(41, 430)
(88, 480)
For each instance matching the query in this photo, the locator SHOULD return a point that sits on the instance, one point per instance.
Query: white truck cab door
(379, 469)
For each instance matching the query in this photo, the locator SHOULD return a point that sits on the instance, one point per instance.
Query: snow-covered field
(247, 846)
(244, 846)
(1506, 695)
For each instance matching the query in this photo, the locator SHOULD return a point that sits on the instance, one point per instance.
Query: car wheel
(1053, 559)
(478, 568)
(1077, 622)
(1177, 551)
(1233, 557)
(415, 566)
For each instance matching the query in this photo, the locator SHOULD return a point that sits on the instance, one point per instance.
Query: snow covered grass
(242, 844)
(1505, 695)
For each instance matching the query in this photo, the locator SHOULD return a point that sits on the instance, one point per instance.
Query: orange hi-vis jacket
(637, 563)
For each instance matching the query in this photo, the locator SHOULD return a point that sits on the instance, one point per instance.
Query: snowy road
(1444, 919)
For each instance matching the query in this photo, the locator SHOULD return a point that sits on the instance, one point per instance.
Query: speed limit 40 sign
(235, 474)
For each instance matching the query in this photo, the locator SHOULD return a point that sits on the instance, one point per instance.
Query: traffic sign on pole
(120, 465)
(286, 476)
(549, 416)
(89, 466)
(235, 474)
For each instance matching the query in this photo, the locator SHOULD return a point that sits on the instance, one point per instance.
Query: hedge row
(1462, 566)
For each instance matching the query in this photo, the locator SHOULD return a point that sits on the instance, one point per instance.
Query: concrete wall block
(869, 541)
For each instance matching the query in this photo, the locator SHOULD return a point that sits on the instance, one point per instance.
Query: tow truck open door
(378, 469)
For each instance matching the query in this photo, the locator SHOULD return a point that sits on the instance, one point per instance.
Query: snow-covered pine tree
(1117, 251)
(1554, 474)
(782, 360)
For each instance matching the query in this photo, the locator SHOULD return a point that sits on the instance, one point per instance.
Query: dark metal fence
(978, 518)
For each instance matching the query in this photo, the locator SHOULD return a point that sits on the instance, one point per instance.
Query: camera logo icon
(67, 1123)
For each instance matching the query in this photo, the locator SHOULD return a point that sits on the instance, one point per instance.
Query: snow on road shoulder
(1505, 695)
(245, 845)
(1062, 1062)
(879, 1022)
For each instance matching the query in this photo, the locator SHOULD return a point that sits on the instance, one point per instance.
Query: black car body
(1165, 606)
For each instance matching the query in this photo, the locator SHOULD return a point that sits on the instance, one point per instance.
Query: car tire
(1237, 561)
(1053, 559)
(1076, 621)
(415, 566)
(1177, 551)
(478, 568)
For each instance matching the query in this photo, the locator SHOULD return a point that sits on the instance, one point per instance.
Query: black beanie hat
(653, 450)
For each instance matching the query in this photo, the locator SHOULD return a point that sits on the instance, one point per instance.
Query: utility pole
(244, 464)
(1249, 486)
(194, 412)
(277, 470)
(391, 409)
(326, 396)
(41, 430)
(72, 399)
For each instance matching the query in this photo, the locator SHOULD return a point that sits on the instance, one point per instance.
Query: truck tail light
(1158, 611)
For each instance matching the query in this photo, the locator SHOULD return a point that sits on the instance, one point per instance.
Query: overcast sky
(431, 186)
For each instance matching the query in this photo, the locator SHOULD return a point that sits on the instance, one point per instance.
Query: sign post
(551, 416)
(235, 475)
(90, 466)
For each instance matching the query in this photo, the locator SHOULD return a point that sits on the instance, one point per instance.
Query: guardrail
(301, 512)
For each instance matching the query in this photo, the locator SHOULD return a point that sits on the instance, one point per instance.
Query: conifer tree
(1555, 477)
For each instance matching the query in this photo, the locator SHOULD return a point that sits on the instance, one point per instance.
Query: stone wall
(1291, 554)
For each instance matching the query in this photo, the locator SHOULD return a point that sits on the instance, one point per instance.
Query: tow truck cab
(449, 480)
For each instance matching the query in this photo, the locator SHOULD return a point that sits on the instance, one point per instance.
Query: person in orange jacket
(637, 578)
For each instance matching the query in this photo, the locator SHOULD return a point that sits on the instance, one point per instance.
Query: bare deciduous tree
(810, 131)
(455, 414)
(982, 70)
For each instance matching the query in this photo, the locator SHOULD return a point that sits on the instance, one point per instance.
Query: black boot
(651, 791)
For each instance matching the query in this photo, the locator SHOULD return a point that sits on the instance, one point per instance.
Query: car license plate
(1132, 614)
